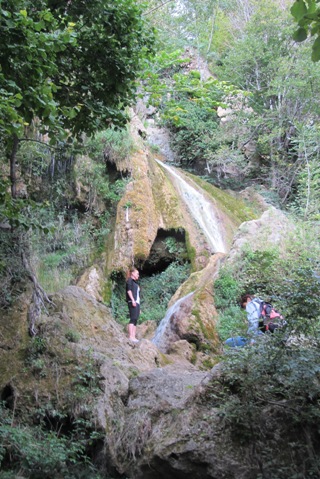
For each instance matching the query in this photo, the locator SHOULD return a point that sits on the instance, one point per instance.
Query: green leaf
(298, 9)
(316, 50)
(300, 35)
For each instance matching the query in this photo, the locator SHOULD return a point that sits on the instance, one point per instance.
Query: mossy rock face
(195, 317)
(152, 202)
(64, 367)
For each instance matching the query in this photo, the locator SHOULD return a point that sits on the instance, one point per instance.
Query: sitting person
(262, 317)
(252, 307)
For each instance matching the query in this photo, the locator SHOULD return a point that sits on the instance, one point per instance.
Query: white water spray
(162, 333)
(201, 210)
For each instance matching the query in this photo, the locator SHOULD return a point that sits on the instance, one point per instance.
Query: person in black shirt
(133, 300)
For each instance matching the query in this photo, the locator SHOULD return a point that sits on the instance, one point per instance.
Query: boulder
(269, 230)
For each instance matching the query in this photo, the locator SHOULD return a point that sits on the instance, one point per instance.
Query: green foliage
(289, 279)
(35, 356)
(73, 336)
(226, 297)
(63, 252)
(226, 289)
(306, 202)
(35, 452)
(306, 14)
(192, 128)
(53, 84)
(187, 103)
(231, 323)
(114, 145)
(17, 212)
(258, 267)
(45, 62)
(277, 72)
(173, 246)
(86, 382)
(28, 61)
(269, 399)
(157, 290)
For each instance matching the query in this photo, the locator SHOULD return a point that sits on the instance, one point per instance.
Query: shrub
(31, 451)
(270, 401)
(289, 279)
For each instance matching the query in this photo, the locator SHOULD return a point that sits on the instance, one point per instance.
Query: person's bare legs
(132, 331)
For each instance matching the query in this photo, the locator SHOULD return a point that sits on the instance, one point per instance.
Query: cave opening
(7, 396)
(161, 274)
(168, 247)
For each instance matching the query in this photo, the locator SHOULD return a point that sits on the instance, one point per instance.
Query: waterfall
(201, 210)
(163, 332)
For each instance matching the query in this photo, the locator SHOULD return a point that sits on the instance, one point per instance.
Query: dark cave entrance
(161, 274)
(169, 247)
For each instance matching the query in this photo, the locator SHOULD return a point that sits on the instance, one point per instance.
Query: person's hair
(130, 270)
(245, 298)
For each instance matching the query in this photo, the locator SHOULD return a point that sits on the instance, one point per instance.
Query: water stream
(201, 210)
(162, 333)
(204, 214)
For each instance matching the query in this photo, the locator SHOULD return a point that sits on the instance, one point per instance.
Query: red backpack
(270, 318)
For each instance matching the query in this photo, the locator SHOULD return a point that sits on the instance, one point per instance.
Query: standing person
(133, 300)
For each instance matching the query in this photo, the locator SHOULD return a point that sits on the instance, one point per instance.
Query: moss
(193, 358)
(191, 252)
(207, 330)
(165, 360)
(107, 291)
(165, 197)
(133, 373)
(208, 364)
(235, 208)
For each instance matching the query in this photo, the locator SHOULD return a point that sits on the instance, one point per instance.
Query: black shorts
(134, 313)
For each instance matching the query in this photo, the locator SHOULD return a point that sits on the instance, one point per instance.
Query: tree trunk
(13, 166)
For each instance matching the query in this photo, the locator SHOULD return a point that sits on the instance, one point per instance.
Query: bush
(112, 144)
(31, 451)
(289, 279)
(270, 401)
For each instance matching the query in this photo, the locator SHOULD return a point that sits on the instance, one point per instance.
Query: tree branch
(39, 297)
(157, 8)
(41, 143)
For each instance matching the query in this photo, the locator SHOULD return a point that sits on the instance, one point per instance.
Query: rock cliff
(157, 412)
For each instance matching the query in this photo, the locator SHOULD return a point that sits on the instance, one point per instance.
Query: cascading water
(205, 216)
(161, 336)
(201, 210)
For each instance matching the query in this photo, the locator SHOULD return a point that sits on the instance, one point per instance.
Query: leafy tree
(49, 75)
(306, 202)
(307, 14)
(67, 69)
(269, 399)
(283, 83)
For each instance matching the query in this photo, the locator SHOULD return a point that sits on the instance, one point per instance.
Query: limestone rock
(192, 315)
(170, 433)
(91, 281)
(270, 229)
(182, 349)
(146, 330)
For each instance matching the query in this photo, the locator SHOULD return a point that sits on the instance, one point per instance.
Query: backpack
(269, 318)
